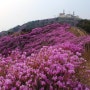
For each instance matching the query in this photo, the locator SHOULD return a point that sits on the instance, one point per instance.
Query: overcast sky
(18, 12)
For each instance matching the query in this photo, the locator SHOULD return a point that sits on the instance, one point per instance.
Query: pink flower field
(46, 58)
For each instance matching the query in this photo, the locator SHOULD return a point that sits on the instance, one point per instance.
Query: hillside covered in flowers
(46, 58)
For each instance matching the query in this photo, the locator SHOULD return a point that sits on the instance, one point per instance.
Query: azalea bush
(52, 68)
(47, 58)
(46, 36)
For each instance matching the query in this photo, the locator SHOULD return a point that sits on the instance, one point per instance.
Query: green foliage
(84, 24)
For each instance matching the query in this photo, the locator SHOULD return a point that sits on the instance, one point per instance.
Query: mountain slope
(49, 57)
(38, 37)
(39, 23)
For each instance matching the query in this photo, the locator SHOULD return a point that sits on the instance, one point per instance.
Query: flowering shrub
(46, 36)
(52, 68)
(45, 59)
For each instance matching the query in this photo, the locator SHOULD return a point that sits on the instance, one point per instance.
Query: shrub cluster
(52, 68)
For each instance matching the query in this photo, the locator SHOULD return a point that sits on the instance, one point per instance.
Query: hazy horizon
(18, 12)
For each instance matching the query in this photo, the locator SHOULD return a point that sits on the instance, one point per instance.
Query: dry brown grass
(83, 76)
(82, 73)
(77, 31)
